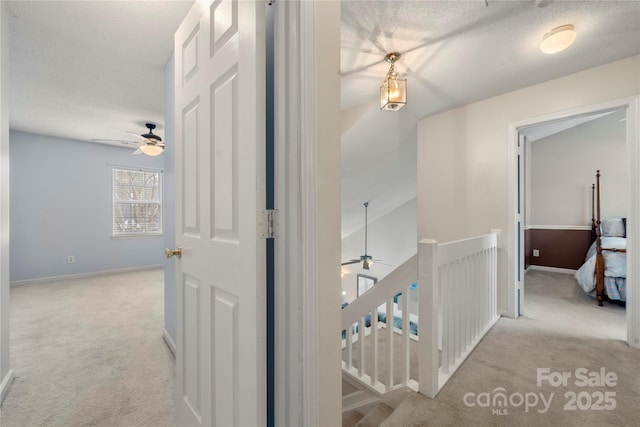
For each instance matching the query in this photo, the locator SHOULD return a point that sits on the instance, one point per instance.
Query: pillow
(613, 227)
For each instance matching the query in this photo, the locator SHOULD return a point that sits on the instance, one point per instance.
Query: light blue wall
(61, 206)
(169, 201)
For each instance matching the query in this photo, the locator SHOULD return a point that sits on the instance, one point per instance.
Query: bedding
(614, 227)
(397, 319)
(615, 271)
(382, 317)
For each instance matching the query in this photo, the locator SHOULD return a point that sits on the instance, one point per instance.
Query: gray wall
(563, 168)
(169, 201)
(61, 206)
(392, 238)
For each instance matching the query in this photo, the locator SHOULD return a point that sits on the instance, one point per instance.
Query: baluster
(486, 291)
(389, 324)
(349, 349)
(456, 303)
(450, 307)
(361, 335)
(374, 346)
(477, 291)
(477, 300)
(494, 290)
(467, 295)
(405, 336)
(446, 319)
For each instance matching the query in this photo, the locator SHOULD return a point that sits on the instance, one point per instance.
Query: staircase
(389, 354)
(413, 410)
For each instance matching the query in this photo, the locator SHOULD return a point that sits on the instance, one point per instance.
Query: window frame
(115, 201)
(365, 284)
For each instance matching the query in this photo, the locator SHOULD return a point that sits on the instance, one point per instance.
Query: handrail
(396, 281)
(457, 305)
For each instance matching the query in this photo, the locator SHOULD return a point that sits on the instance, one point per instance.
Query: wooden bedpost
(599, 257)
(593, 213)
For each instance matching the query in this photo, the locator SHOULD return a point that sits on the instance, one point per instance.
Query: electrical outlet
(536, 252)
(71, 259)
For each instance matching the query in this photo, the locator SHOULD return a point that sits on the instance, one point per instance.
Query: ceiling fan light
(151, 150)
(365, 264)
(558, 39)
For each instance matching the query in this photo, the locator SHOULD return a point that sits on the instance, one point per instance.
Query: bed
(382, 317)
(603, 275)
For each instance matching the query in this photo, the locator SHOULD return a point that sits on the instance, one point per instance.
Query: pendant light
(393, 92)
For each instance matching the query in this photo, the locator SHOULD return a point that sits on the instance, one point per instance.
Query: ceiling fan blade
(136, 135)
(115, 141)
(137, 152)
(351, 261)
(377, 261)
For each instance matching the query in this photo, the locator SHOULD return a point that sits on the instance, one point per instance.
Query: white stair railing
(376, 301)
(457, 294)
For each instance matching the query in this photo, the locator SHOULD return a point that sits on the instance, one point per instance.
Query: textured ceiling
(93, 69)
(453, 53)
(90, 69)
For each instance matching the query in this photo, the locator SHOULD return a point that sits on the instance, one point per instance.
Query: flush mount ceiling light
(393, 92)
(558, 39)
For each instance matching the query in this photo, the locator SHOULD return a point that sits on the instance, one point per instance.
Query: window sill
(135, 236)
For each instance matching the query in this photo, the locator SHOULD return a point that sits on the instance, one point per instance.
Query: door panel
(220, 354)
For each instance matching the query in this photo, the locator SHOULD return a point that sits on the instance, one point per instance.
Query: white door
(220, 190)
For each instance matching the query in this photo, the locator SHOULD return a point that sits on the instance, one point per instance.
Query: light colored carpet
(89, 352)
(562, 330)
(375, 416)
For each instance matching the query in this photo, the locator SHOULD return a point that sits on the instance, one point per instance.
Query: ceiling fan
(366, 259)
(148, 143)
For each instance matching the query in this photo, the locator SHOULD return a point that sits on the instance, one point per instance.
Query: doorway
(559, 163)
(624, 111)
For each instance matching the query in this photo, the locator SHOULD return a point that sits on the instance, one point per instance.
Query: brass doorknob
(171, 252)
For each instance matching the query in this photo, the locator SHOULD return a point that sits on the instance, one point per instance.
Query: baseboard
(5, 384)
(169, 341)
(85, 275)
(551, 269)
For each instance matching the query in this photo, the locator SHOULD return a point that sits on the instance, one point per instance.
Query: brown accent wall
(527, 248)
(558, 248)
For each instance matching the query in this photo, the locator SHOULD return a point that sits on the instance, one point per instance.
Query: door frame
(307, 197)
(633, 205)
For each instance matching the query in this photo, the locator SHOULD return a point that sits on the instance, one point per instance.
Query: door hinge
(268, 224)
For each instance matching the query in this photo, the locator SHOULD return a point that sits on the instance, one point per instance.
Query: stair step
(375, 416)
(358, 400)
(414, 410)
(351, 418)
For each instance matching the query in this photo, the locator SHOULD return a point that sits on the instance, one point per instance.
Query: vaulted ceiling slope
(453, 53)
(90, 69)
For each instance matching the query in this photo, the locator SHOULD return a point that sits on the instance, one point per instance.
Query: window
(365, 283)
(137, 202)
